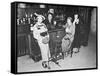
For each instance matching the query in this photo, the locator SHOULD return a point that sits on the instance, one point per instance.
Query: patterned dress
(40, 32)
(69, 37)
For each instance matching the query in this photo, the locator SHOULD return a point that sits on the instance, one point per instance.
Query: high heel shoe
(77, 50)
(45, 64)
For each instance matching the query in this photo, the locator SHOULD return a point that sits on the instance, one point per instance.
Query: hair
(70, 18)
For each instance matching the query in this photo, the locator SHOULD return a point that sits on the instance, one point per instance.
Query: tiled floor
(86, 58)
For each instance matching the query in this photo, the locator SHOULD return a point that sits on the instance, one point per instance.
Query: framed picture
(53, 37)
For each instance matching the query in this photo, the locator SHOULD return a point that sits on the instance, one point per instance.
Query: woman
(40, 33)
(50, 25)
(76, 41)
(50, 21)
(69, 37)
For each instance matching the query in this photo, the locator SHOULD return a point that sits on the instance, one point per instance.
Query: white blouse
(38, 30)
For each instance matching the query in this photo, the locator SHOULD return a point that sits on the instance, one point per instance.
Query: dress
(77, 39)
(37, 31)
(68, 38)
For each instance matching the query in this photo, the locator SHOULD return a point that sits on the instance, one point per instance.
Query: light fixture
(42, 6)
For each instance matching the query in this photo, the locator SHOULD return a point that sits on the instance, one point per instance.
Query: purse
(45, 40)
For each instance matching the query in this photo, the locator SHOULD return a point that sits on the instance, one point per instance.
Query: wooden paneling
(26, 42)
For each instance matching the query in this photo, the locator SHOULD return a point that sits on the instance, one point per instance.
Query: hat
(51, 11)
(40, 16)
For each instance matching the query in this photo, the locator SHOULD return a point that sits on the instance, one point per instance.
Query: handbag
(45, 40)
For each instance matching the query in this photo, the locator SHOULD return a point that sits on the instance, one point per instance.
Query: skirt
(45, 52)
